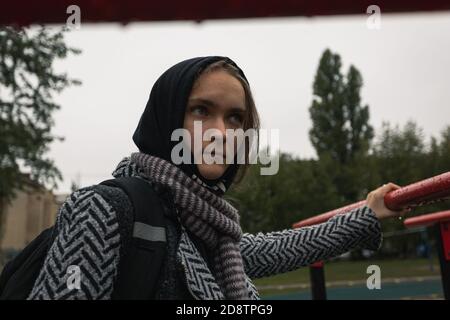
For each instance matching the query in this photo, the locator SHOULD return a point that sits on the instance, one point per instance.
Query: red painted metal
(445, 235)
(427, 219)
(416, 194)
(126, 11)
(441, 225)
(327, 215)
(426, 191)
(318, 264)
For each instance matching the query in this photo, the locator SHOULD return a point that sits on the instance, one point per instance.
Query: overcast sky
(405, 66)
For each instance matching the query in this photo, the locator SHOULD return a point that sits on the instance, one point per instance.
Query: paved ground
(406, 288)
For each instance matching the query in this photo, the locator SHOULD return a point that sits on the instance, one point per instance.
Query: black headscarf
(165, 111)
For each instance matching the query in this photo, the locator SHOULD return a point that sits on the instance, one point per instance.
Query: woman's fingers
(391, 186)
(403, 213)
(375, 200)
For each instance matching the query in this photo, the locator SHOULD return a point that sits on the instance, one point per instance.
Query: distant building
(30, 212)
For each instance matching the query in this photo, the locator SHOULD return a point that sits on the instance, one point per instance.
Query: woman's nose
(220, 125)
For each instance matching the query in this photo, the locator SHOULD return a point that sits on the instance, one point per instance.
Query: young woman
(208, 256)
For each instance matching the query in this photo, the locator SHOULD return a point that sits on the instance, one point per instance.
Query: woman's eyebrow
(237, 109)
(202, 101)
(210, 103)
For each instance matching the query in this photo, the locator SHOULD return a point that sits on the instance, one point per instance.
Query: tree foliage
(28, 85)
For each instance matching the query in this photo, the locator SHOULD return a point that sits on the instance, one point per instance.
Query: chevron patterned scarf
(206, 215)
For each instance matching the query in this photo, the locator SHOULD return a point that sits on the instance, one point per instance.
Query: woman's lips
(216, 154)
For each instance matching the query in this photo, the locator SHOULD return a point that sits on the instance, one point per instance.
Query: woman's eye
(236, 119)
(199, 110)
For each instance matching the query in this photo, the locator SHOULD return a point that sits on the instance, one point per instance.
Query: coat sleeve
(87, 243)
(267, 254)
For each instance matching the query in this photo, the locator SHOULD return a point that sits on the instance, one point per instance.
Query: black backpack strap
(141, 263)
(19, 275)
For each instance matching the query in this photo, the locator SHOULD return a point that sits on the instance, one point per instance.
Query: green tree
(444, 151)
(437, 161)
(341, 128)
(28, 84)
(434, 157)
(403, 157)
(299, 190)
(400, 153)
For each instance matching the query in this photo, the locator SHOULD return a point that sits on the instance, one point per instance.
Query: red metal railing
(427, 219)
(440, 222)
(416, 194)
(125, 11)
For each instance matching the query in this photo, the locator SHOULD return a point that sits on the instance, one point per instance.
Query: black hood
(165, 111)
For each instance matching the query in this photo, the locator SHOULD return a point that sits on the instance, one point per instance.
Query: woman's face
(217, 100)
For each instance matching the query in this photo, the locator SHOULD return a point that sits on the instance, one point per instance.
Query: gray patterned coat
(89, 236)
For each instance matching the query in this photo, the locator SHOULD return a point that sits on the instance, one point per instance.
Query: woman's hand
(375, 201)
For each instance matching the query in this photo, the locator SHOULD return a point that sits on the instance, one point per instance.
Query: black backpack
(139, 266)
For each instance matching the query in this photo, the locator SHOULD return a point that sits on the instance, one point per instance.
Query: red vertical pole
(317, 276)
(442, 230)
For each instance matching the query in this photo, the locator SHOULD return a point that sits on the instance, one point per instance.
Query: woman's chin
(211, 171)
